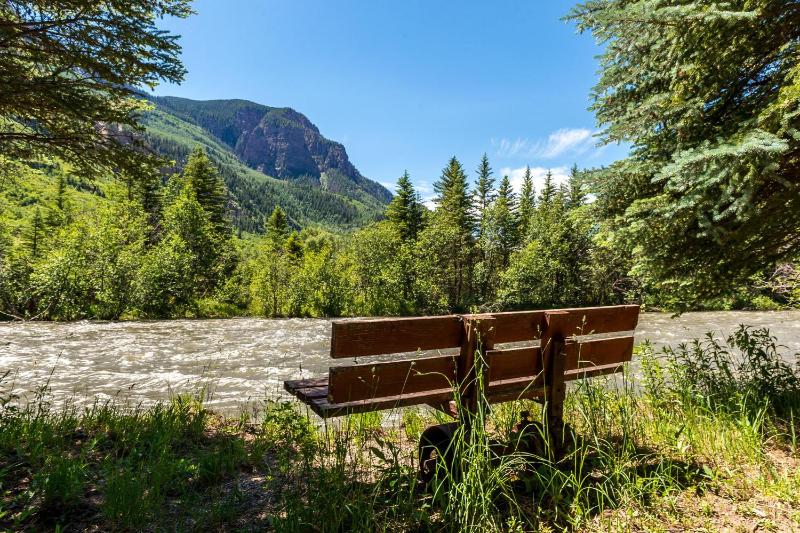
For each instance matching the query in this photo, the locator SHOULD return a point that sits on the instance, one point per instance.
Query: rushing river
(240, 360)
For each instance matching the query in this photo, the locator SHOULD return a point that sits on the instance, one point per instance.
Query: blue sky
(408, 85)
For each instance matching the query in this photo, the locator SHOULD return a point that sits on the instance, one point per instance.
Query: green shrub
(750, 368)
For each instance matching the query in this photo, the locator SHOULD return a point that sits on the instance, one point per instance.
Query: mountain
(268, 156)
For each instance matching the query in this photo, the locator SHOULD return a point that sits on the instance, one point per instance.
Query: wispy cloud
(560, 142)
(423, 187)
(430, 202)
(516, 175)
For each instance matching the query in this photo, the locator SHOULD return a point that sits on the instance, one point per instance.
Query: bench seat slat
(324, 408)
(305, 383)
(307, 390)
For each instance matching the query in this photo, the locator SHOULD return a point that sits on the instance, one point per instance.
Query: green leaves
(706, 94)
(69, 74)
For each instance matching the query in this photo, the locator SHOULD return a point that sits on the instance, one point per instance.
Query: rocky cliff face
(279, 142)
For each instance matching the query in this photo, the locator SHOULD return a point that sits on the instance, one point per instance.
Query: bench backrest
(510, 372)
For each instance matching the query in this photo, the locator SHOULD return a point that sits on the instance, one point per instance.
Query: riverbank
(706, 438)
(243, 361)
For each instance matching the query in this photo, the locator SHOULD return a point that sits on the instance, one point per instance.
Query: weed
(60, 483)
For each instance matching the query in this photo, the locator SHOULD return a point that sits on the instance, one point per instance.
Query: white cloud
(559, 142)
(516, 175)
(563, 140)
(423, 187)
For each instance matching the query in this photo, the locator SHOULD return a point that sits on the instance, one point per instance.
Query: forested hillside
(279, 142)
(327, 191)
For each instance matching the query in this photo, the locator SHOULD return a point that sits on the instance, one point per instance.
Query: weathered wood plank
(516, 326)
(594, 320)
(378, 380)
(307, 390)
(599, 352)
(514, 363)
(519, 326)
(478, 337)
(357, 338)
(293, 384)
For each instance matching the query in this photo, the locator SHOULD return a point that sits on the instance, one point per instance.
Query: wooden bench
(568, 348)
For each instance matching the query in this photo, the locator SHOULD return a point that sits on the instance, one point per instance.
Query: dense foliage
(708, 95)
(68, 74)
(71, 250)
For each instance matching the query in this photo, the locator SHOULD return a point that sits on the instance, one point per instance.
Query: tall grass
(709, 419)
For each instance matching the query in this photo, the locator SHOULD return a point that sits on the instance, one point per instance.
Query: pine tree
(507, 195)
(527, 203)
(574, 194)
(548, 192)
(59, 213)
(203, 177)
(211, 253)
(276, 227)
(446, 247)
(484, 187)
(148, 191)
(61, 192)
(35, 234)
(405, 210)
(505, 213)
(484, 196)
(707, 94)
(294, 246)
(453, 198)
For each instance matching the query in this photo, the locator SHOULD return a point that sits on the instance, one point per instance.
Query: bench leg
(559, 433)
